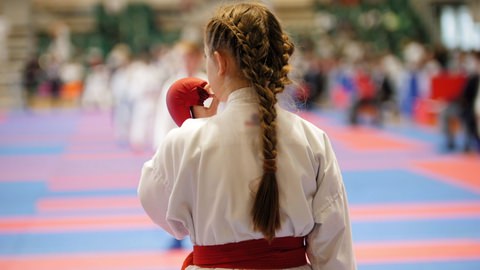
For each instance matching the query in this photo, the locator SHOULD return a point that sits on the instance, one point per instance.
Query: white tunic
(200, 181)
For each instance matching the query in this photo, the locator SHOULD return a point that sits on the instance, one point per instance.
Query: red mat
(459, 170)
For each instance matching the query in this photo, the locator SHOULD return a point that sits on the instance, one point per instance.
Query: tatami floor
(68, 196)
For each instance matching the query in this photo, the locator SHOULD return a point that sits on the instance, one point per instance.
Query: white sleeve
(329, 244)
(155, 189)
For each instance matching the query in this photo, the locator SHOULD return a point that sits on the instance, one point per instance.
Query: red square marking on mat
(463, 171)
(364, 139)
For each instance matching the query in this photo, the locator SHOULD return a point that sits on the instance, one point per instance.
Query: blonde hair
(254, 36)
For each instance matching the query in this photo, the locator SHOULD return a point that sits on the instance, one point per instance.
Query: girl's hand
(210, 106)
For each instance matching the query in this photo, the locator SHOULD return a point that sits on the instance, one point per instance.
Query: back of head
(254, 36)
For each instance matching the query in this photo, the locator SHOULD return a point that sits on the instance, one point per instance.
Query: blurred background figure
(61, 46)
(31, 80)
(411, 90)
(375, 94)
(144, 87)
(118, 62)
(311, 92)
(72, 75)
(185, 60)
(468, 101)
(96, 93)
(53, 83)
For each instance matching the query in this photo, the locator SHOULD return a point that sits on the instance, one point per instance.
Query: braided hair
(262, 51)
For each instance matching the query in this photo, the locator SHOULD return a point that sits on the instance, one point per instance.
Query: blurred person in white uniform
(119, 62)
(96, 92)
(145, 90)
(411, 88)
(72, 74)
(253, 185)
(184, 61)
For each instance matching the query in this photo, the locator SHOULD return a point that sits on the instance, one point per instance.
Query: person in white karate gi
(144, 88)
(96, 94)
(119, 62)
(254, 186)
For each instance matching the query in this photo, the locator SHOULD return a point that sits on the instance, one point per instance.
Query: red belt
(284, 252)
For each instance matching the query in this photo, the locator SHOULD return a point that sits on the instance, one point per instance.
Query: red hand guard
(182, 95)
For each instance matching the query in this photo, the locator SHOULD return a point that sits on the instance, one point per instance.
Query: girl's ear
(221, 62)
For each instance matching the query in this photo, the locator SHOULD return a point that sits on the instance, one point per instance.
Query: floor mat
(68, 197)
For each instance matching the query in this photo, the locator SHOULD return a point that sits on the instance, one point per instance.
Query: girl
(254, 186)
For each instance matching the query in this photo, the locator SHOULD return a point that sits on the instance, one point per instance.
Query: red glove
(182, 95)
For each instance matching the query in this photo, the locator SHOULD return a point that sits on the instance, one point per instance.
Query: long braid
(254, 35)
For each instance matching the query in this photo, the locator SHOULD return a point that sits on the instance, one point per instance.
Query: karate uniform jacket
(202, 180)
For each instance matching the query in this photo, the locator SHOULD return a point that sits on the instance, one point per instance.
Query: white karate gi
(122, 103)
(97, 93)
(144, 88)
(201, 180)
